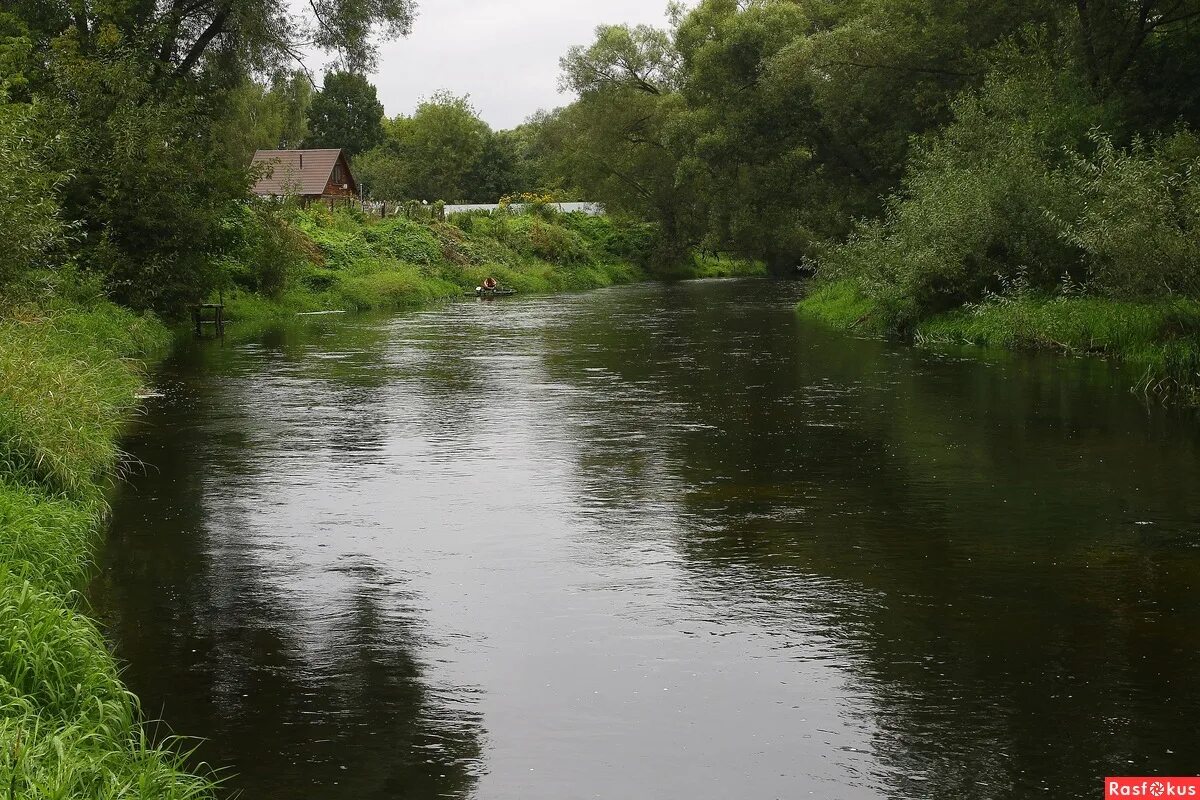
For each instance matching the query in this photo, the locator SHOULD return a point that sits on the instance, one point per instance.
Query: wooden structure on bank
(310, 175)
(215, 317)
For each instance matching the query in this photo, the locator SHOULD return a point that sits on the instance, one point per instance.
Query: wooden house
(307, 174)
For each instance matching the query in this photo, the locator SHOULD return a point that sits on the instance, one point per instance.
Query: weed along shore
(73, 367)
(1159, 342)
(71, 373)
(313, 260)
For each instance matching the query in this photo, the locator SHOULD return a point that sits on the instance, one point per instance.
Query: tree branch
(214, 29)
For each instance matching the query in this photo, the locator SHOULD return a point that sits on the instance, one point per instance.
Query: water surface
(656, 542)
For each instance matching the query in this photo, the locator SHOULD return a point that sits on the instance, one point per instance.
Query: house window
(339, 177)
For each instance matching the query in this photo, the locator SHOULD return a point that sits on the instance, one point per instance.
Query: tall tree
(255, 116)
(345, 114)
(622, 140)
(443, 152)
(179, 37)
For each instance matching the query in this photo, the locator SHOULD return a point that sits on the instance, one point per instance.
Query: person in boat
(489, 285)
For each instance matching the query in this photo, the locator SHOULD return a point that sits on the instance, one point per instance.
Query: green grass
(349, 263)
(69, 375)
(840, 304)
(1161, 340)
(707, 266)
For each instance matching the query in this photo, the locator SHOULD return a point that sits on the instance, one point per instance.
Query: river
(655, 542)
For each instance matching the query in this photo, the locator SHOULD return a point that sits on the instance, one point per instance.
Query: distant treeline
(931, 154)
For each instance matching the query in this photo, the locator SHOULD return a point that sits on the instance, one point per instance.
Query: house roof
(303, 172)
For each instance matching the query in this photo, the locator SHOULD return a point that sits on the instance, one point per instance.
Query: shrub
(29, 215)
(1138, 224)
(980, 199)
(403, 239)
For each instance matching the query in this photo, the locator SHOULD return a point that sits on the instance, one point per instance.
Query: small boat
(492, 288)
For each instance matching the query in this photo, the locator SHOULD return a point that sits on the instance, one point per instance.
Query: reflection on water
(657, 542)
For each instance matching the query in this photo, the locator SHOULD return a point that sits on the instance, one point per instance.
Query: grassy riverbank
(71, 368)
(317, 260)
(1161, 341)
(69, 377)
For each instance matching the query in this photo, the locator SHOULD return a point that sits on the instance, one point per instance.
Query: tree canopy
(444, 151)
(345, 114)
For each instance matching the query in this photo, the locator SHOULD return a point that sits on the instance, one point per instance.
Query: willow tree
(623, 142)
(182, 37)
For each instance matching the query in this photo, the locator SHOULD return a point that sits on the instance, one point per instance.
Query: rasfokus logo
(1151, 787)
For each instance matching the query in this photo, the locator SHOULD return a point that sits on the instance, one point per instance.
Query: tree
(135, 104)
(29, 216)
(443, 152)
(254, 116)
(623, 140)
(178, 38)
(345, 114)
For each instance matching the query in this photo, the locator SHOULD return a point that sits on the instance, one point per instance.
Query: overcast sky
(503, 53)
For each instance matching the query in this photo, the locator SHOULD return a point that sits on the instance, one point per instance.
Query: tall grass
(840, 304)
(1160, 340)
(69, 384)
(351, 263)
(69, 375)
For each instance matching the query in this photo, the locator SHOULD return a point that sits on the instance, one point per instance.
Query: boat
(492, 288)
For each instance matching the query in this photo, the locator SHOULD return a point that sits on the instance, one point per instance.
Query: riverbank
(72, 373)
(317, 260)
(1161, 341)
(73, 366)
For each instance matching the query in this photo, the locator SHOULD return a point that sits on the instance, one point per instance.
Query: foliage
(346, 114)
(148, 188)
(30, 223)
(622, 140)
(1022, 184)
(978, 200)
(355, 263)
(229, 38)
(258, 116)
(68, 728)
(263, 253)
(1137, 227)
(443, 152)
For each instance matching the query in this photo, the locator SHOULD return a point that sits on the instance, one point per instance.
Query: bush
(263, 251)
(1138, 224)
(981, 199)
(29, 221)
(404, 240)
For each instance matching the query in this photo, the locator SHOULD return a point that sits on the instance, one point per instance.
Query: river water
(656, 542)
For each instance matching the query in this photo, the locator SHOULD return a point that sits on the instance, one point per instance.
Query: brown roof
(303, 172)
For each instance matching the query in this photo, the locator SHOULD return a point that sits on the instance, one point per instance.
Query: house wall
(335, 190)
